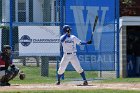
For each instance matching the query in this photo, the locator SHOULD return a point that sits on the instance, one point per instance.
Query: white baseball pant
(69, 57)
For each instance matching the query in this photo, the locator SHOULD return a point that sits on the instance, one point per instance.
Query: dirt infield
(71, 86)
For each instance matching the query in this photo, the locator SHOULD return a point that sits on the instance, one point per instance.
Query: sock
(83, 76)
(59, 76)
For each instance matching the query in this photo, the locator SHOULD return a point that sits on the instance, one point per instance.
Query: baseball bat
(94, 26)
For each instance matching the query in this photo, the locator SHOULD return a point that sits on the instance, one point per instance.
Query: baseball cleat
(5, 84)
(58, 83)
(85, 83)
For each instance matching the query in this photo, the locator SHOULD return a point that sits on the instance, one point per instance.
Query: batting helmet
(6, 50)
(66, 28)
(5, 47)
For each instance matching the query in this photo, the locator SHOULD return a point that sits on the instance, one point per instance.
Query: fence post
(24, 61)
(47, 12)
(37, 60)
(11, 25)
(118, 49)
(45, 66)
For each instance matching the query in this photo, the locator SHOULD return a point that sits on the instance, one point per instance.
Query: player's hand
(68, 34)
(89, 42)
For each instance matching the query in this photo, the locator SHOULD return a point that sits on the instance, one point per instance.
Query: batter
(69, 43)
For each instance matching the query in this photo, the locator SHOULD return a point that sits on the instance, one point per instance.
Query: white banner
(39, 40)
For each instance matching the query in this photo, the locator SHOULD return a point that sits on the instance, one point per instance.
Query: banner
(80, 15)
(39, 40)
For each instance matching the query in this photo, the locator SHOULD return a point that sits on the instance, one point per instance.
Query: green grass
(77, 91)
(126, 80)
(33, 75)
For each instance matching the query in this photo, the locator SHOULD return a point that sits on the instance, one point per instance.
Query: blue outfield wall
(80, 15)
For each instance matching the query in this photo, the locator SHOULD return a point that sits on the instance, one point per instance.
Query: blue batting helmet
(66, 28)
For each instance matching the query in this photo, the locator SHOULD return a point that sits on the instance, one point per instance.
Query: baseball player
(8, 71)
(69, 43)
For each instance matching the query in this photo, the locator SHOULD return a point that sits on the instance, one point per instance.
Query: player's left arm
(82, 42)
(85, 42)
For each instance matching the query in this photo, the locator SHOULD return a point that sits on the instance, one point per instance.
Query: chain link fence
(102, 56)
(27, 13)
(14, 13)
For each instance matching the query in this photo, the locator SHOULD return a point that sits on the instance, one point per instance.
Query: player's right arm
(63, 37)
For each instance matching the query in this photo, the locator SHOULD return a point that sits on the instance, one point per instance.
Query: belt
(70, 53)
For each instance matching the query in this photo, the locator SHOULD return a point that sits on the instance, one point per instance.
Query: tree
(127, 7)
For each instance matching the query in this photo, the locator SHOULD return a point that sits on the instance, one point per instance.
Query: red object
(2, 63)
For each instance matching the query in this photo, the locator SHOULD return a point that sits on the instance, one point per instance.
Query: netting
(100, 56)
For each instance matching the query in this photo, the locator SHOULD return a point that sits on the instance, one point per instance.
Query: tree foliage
(128, 7)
